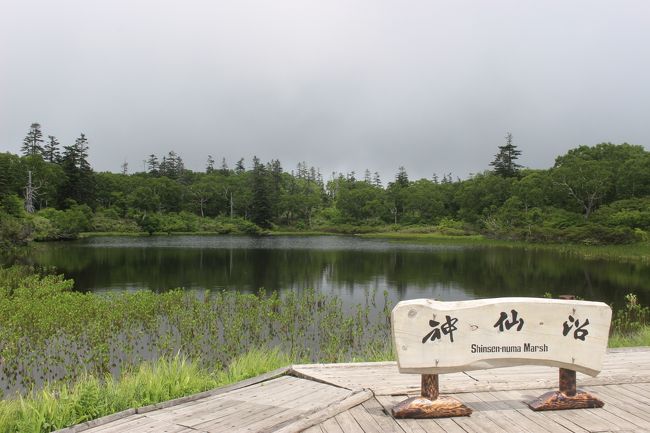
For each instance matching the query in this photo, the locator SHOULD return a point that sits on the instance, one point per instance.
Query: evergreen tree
(376, 180)
(32, 141)
(261, 212)
(401, 178)
(239, 167)
(210, 164)
(51, 150)
(396, 193)
(504, 162)
(224, 170)
(79, 183)
(152, 165)
(172, 165)
(81, 148)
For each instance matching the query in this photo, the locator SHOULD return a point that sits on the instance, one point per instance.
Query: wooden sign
(434, 337)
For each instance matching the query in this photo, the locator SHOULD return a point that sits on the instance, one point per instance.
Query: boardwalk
(356, 398)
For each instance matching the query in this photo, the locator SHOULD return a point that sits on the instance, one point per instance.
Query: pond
(346, 266)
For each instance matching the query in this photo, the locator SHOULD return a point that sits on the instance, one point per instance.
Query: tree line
(598, 194)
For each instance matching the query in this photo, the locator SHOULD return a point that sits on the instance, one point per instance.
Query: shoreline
(638, 252)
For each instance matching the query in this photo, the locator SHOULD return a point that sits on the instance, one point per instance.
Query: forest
(596, 194)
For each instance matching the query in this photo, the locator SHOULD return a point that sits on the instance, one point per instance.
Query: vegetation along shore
(68, 357)
(592, 195)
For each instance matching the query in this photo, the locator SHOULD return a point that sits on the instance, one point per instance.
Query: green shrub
(631, 318)
(63, 224)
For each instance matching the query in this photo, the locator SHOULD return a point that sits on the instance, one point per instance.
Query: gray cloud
(344, 85)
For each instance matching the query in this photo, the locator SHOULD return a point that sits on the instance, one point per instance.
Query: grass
(638, 338)
(145, 234)
(193, 336)
(637, 252)
(90, 397)
(45, 325)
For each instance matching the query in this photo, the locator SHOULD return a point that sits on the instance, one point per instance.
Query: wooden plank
(385, 421)
(624, 403)
(243, 407)
(116, 418)
(623, 409)
(210, 405)
(246, 409)
(348, 423)
(363, 418)
(314, 429)
(217, 391)
(384, 379)
(508, 417)
(478, 423)
(248, 413)
(331, 426)
(327, 412)
(548, 419)
(285, 408)
(205, 410)
(624, 385)
(122, 421)
(143, 424)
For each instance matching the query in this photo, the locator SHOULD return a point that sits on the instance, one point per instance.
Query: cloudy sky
(342, 84)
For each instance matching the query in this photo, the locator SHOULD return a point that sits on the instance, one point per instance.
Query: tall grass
(50, 333)
(636, 252)
(60, 405)
(638, 338)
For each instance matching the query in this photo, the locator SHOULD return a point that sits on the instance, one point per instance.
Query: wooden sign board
(434, 337)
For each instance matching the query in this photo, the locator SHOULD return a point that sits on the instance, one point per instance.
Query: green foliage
(53, 224)
(504, 162)
(46, 325)
(15, 230)
(640, 338)
(632, 318)
(60, 405)
(588, 188)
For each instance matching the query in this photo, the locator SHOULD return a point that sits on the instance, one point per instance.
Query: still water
(349, 267)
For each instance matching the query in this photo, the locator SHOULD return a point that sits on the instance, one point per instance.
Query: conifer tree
(152, 165)
(209, 168)
(239, 167)
(79, 180)
(224, 167)
(261, 212)
(51, 150)
(32, 141)
(504, 162)
(376, 180)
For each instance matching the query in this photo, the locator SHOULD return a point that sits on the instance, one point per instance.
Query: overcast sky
(342, 84)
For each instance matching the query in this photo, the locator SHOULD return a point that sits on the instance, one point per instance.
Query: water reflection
(347, 266)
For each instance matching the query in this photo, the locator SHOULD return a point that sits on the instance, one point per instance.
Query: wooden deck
(356, 398)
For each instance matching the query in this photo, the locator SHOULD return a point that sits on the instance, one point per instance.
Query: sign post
(434, 338)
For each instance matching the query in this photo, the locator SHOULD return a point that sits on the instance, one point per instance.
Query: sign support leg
(430, 404)
(568, 397)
